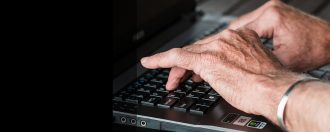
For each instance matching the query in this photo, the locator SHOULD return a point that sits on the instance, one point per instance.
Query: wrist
(277, 85)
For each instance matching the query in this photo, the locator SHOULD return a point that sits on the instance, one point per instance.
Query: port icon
(123, 120)
(143, 123)
(133, 121)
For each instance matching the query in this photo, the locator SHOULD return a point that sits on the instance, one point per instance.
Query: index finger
(175, 57)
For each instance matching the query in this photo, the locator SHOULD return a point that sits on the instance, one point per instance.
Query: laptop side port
(133, 121)
(123, 120)
(143, 123)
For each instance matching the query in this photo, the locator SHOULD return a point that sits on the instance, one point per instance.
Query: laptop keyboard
(196, 98)
(149, 90)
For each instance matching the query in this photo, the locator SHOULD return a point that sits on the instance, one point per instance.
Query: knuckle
(229, 33)
(217, 45)
(274, 11)
(273, 2)
(175, 51)
(173, 54)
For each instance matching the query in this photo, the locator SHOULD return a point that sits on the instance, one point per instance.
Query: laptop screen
(136, 21)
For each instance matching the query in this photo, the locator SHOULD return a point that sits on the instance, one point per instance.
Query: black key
(154, 71)
(133, 99)
(143, 80)
(158, 94)
(326, 76)
(162, 76)
(167, 103)
(137, 84)
(175, 95)
(184, 104)
(210, 97)
(201, 90)
(150, 101)
(189, 82)
(145, 89)
(162, 89)
(204, 85)
(127, 91)
(140, 95)
(120, 96)
(130, 89)
(166, 71)
(194, 95)
(206, 103)
(149, 85)
(148, 75)
(213, 92)
(198, 109)
(157, 81)
(183, 89)
(317, 73)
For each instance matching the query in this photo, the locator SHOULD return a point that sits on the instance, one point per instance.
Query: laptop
(145, 27)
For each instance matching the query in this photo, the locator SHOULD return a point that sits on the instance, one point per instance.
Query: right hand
(236, 65)
(301, 41)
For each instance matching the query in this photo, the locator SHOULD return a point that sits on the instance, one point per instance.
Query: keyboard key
(213, 92)
(154, 71)
(183, 89)
(162, 89)
(198, 109)
(150, 101)
(204, 85)
(130, 89)
(201, 90)
(149, 85)
(162, 76)
(194, 95)
(137, 84)
(317, 73)
(140, 95)
(157, 81)
(145, 89)
(166, 71)
(189, 82)
(167, 103)
(210, 97)
(326, 76)
(133, 99)
(175, 95)
(148, 75)
(325, 68)
(143, 80)
(120, 96)
(184, 104)
(159, 94)
(206, 103)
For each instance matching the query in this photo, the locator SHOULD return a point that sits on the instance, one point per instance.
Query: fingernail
(143, 60)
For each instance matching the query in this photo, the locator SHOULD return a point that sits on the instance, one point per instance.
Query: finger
(174, 78)
(251, 16)
(196, 78)
(175, 57)
(178, 74)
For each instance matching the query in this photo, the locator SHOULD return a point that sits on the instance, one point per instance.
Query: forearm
(308, 107)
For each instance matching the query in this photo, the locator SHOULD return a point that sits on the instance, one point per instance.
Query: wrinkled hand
(235, 64)
(301, 41)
